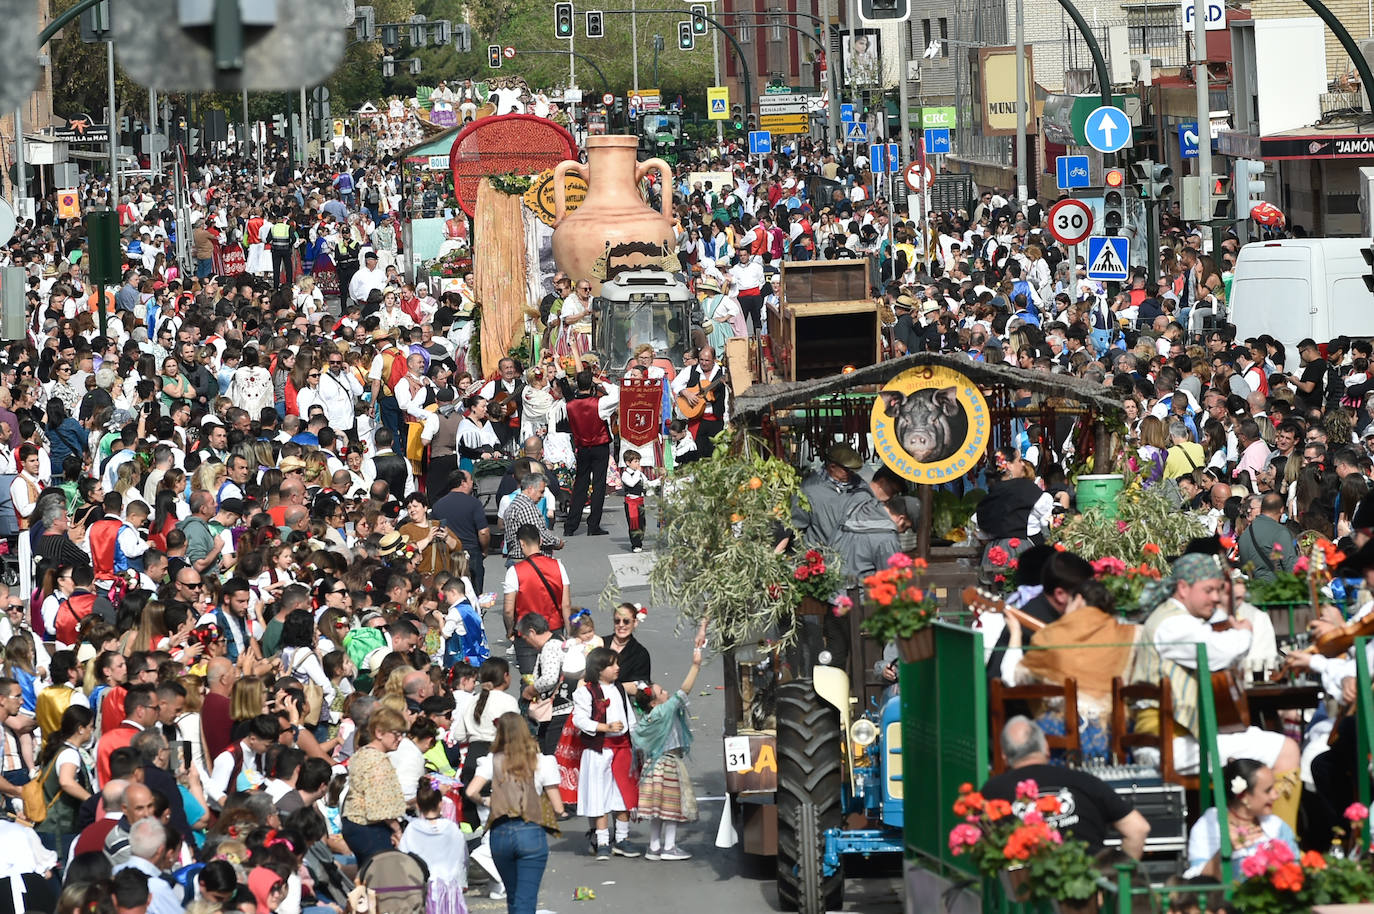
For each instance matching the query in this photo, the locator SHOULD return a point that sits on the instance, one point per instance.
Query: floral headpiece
(641, 611)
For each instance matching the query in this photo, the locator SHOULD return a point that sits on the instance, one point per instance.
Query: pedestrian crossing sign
(718, 103)
(1107, 256)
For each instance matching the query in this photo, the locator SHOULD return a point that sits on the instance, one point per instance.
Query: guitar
(1228, 694)
(979, 601)
(704, 394)
(505, 405)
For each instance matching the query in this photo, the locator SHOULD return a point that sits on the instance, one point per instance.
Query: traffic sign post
(847, 114)
(1070, 221)
(760, 143)
(856, 132)
(1107, 258)
(937, 141)
(718, 103)
(1071, 172)
(1107, 129)
(918, 177)
(608, 99)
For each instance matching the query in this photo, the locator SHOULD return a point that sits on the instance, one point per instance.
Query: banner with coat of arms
(641, 406)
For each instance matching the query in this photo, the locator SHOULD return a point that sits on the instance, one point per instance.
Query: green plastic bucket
(1100, 491)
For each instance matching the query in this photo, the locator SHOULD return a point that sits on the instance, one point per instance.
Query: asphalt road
(714, 880)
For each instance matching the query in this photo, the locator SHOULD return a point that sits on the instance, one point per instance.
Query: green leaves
(715, 555)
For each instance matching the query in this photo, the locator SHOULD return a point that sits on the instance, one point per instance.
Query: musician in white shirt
(410, 397)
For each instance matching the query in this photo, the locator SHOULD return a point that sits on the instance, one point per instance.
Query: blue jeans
(366, 840)
(520, 851)
(204, 268)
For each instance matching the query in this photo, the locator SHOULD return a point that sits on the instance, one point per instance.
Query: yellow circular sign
(931, 424)
(539, 198)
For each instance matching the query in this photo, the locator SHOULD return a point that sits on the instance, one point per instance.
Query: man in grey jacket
(1266, 545)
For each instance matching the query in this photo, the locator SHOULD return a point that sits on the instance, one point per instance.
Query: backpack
(70, 612)
(393, 369)
(373, 196)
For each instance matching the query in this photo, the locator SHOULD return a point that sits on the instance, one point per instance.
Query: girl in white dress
(603, 715)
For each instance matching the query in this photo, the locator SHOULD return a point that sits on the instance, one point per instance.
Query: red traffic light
(1114, 177)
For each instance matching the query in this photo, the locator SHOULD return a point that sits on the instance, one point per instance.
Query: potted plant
(816, 579)
(1015, 844)
(1275, 880)
(900, 611)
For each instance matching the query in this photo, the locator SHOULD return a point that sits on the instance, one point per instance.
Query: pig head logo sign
(930, 424)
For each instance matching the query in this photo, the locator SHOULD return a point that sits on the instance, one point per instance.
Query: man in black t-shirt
(1087, 804)
(1311, 381)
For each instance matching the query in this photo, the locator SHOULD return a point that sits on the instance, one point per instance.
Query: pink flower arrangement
(998, 556)
(1121, 526)
(899, 560)
(1108, 565)
(842, 606)
(1027, 789)
(1356, 812)
(962, 836)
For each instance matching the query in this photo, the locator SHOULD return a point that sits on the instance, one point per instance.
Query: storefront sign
(539, 198)
(997, 78)
(1350, 146)
(931, 424)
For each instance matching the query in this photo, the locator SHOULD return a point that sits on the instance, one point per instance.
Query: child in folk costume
(664, 736)
(634, 482)
(606, 783)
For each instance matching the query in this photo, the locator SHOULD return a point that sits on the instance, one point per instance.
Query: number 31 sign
(1071, 221)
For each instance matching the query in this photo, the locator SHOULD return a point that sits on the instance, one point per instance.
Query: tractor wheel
(810, 782)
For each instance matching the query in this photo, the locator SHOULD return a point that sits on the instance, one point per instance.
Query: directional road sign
(1107, 129)
(1071, 221)
(1107, 257)
(1072, 171)
(785, 123)
(760, 143)
(1187, 140)
(856, 132)
(937, 141)
(847, 114)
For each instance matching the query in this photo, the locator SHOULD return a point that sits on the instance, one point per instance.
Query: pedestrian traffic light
(494, 56)
(1221, 197)
(563, 21)
(699, 19)
(685, 40)
(737, 116)
(1113, 204)
(388, 66)
(595, 28)
(279, 124)
(1248, 186)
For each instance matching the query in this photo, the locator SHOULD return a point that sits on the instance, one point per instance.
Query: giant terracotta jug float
(614, 229)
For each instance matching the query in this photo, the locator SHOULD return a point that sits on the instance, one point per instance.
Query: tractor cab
(660, 135)
(644, 306)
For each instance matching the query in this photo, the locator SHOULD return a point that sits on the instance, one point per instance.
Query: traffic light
(737, 116)
(685, 39)
(884, 10)
(1221, 197)
(595, 28)
(95, 23)
(494, 56)
(1248, 186)
(563, 21)
(751, 123)
(279, 124)
(1113, 201)
(1369, 262)
(699, 19)
(1153, 179)
(388, 66)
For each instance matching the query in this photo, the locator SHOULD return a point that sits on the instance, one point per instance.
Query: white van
(1302, 287)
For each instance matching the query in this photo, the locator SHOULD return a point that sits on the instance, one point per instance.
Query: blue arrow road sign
(877, 158)
(1107, 257)
(856, 132)
(1072, 171)
(847, 114)
(760, 143)
(1187, 140)
(937, 141)
(1107, 129)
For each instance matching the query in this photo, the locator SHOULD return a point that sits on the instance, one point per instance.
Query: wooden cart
(825, 319)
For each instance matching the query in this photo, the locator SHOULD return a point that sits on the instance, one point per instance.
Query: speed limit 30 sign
(1071, 221)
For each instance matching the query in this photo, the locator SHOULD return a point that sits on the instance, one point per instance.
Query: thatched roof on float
(781, 395)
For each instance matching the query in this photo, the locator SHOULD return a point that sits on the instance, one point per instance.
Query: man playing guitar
(503, 395)
(702, 398)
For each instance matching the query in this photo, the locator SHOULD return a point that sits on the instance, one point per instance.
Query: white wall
(1291, 72)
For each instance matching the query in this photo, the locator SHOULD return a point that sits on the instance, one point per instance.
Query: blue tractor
(839, 790)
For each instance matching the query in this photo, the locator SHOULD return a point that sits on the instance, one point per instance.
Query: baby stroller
(399, 880)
